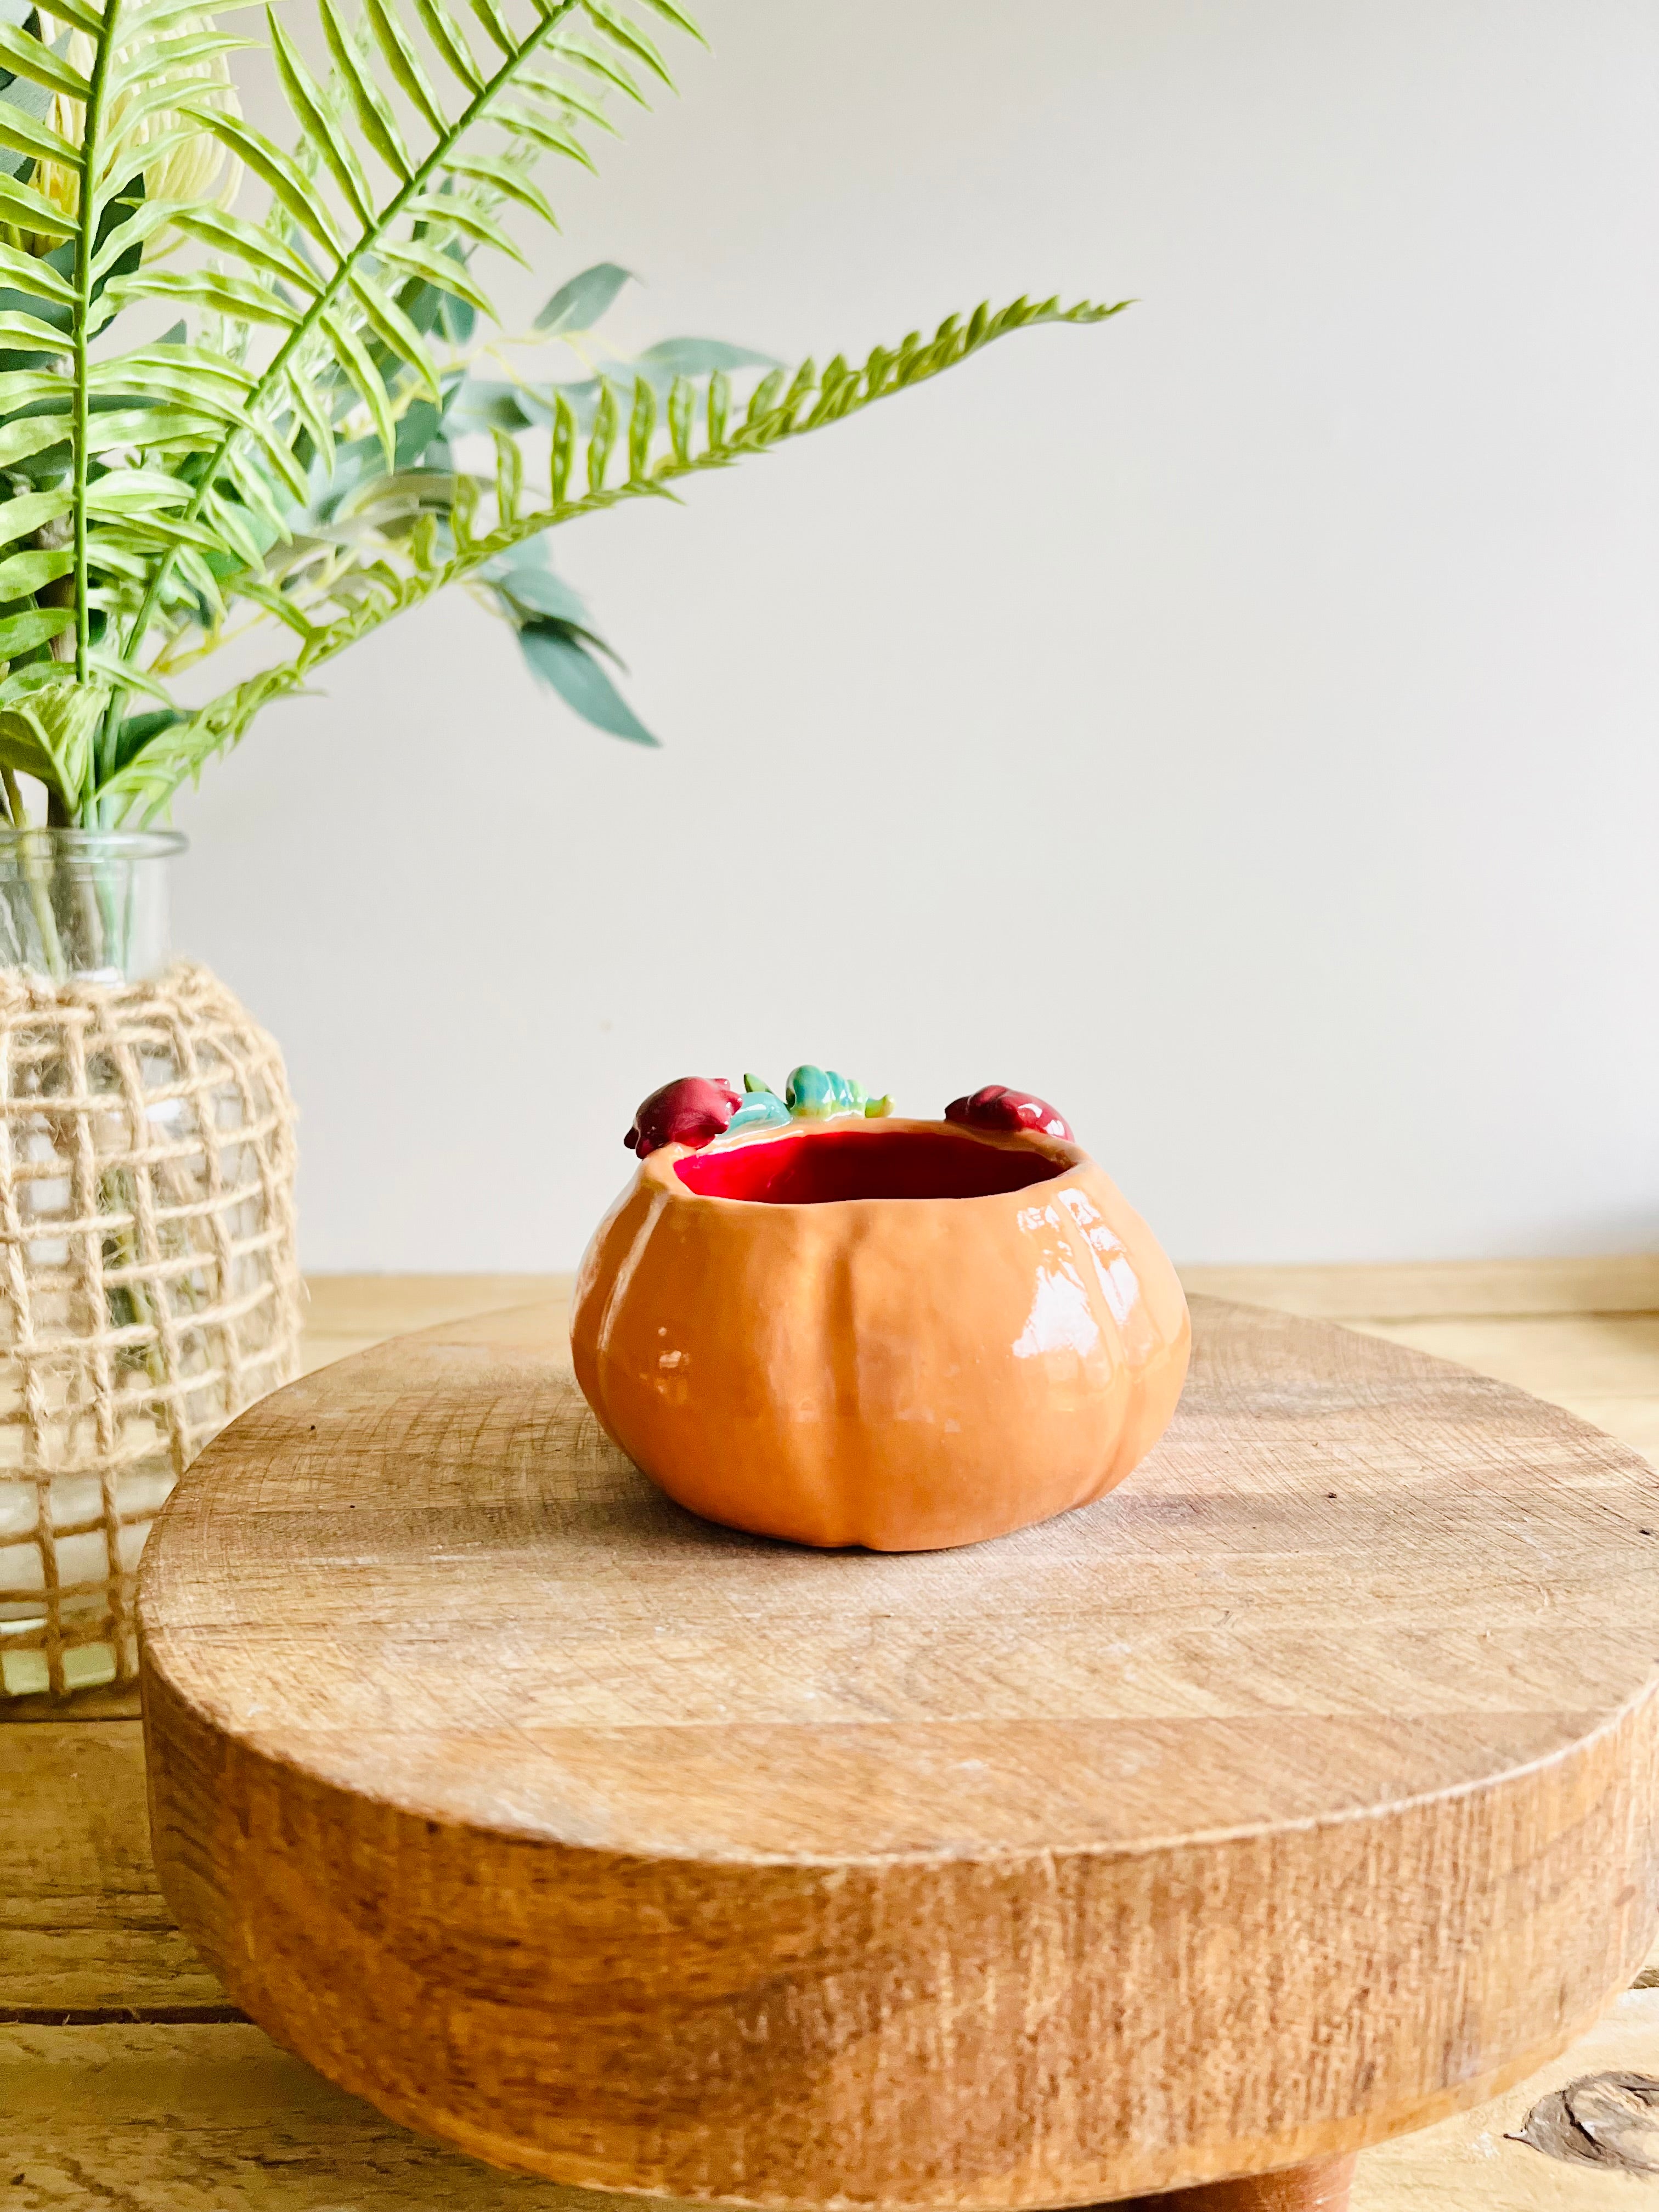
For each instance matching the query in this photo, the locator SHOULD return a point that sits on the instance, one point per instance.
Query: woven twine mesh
(149, 1287)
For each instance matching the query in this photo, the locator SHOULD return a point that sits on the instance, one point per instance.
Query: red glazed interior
(817, 1169)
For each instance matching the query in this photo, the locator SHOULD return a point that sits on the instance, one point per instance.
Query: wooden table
(125, 2078)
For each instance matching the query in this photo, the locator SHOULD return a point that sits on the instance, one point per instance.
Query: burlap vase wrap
(149, 1287)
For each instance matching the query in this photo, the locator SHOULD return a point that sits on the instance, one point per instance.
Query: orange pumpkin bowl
(899, 1335)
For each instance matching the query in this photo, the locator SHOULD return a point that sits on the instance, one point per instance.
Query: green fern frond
(284, 454)
(657, 456)
(347, 306)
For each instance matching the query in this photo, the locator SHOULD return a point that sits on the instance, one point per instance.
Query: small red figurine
(693, 1111)
(997, 1107)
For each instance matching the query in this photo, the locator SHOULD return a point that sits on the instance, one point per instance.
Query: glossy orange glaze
(902, 1373)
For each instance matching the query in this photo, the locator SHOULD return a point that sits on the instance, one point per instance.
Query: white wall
(1236, 723)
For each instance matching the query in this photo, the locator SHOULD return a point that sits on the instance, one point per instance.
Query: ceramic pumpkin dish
(812, 1318)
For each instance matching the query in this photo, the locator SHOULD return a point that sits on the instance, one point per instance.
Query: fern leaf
(642, 422)
(566, 97)
(34, 276)
(206, 288)
(244, 241)
(152, 528)
(273, 167)
(369, 104)
(442, 271)
(244, 489)
(448, 43)
(597, 62)
(509, 476)
(80, 15)
(132, 230)
(403, 64)
(313, 418)
(214, 370)
(172, 54)
(229, 519)
(277, 451)
(564, 449)
(602, 437)
(317, 124)
(256, 485)
(37, 140)
(679, 18)
(465, 216)
(355, 359)
(395, 331)
(136, 491)
(27, 56)
(508, 178)
(549, 136)
(181, 428)
(496, 26)
(279, 603)
(21, 333)
(122, 380)
(31, 210)
(628, 35)
(25, 387)
(682, 417)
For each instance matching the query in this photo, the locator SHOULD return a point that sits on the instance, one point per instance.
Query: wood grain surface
(1296, 1793)
(165, 2114)
(140, 2117)
(83, 1925)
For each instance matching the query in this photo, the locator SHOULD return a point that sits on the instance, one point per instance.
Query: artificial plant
(286, 455)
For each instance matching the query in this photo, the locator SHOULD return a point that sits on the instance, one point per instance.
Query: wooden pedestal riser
(1297, 1794)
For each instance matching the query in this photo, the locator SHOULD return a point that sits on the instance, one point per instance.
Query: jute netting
(148, 1286)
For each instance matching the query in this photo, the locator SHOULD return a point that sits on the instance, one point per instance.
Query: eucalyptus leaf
(579, 304)
(673, 357)
(457, 318)
(561, 660)
(481, 405)
(534, 590)
(417, 430)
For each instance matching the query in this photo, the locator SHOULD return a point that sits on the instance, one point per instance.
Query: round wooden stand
(1299, 1792)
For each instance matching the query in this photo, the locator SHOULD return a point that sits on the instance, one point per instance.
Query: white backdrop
(1236, 723)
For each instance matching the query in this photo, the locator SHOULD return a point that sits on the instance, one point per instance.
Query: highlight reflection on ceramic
(834, 1325)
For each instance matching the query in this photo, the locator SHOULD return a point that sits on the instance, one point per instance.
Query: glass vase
(149, 1283)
